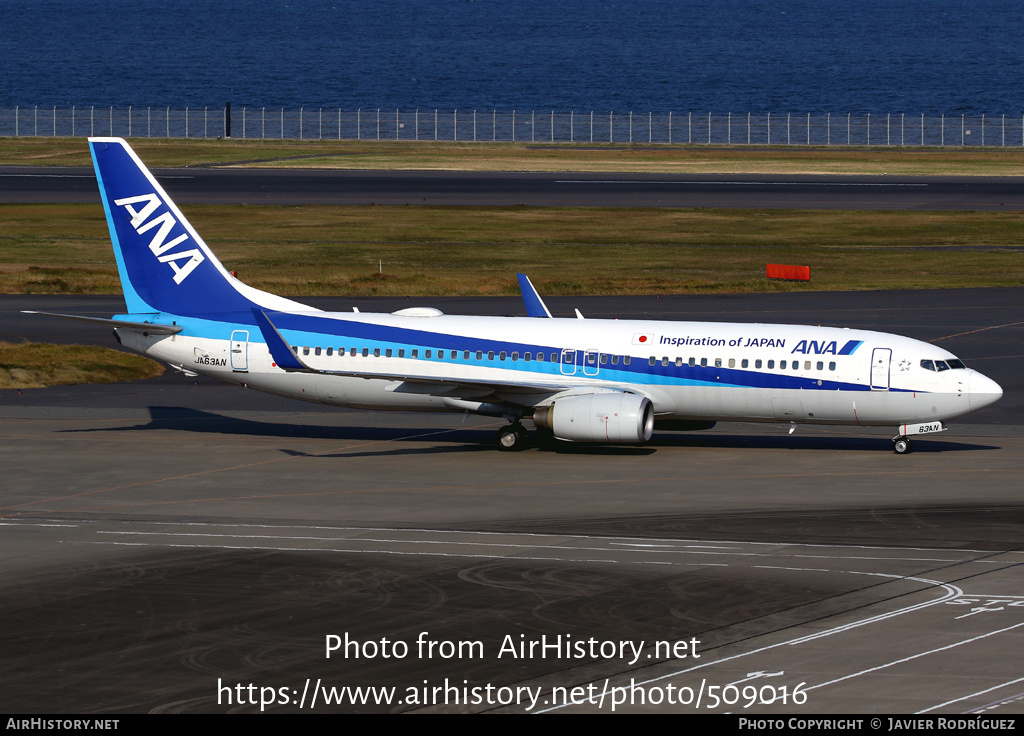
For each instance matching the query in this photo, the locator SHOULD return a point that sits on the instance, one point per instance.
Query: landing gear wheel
(902, 446)
(512, 438)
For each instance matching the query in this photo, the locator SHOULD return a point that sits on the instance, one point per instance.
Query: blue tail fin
(163, 263)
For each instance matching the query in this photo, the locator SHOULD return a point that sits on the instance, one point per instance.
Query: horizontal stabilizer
(150, 327)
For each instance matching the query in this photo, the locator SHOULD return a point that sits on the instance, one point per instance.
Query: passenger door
(240, 350)
(880, 358)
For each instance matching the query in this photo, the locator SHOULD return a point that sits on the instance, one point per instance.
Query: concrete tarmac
(25, 184)
(187, 546)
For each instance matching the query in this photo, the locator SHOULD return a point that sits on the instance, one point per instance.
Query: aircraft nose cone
(982, 391)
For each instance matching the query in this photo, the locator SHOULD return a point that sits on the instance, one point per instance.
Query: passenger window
(305, 350)
(366, 352)
(428, 353)
(490, 355)
(692, 362)
(732, 363)
(352, 353)
(515, 356)
(615, 360)
(745, 363)
(527, 357)
(376, 352)
(757, 363)
(832, 366)
(388, 353)
(679, 361)
(782, 365)
(821, 365)
(807, 365)
(652, 360)
(330, 352)
(604, 359)
(401, 352)
(591, 359)
(626, 359)
(317, 351)
(704, 362)
(295, 349)
(502, 355)
(771, 364)
(479, 355)
(416, 353)
(664, 360)
(465, 355)
(718, 362)
(440, 355)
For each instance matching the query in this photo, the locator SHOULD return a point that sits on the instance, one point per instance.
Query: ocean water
(844, 56)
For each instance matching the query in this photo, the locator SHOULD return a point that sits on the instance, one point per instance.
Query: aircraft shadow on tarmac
(194, 420)
(472, 439)
(784, 441)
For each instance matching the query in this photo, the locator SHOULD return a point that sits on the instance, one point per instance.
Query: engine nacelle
(613, 416)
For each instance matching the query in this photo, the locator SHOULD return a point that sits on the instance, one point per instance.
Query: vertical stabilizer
(163, 263)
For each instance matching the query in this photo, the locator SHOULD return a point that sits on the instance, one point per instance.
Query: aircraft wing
(287, 360)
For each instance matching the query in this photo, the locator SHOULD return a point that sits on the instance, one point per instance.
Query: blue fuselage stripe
(314, 331)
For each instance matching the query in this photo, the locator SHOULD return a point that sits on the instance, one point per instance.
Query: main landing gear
(902, 445)
(512, 438)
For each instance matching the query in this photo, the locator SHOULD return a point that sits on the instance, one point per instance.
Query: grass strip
(472, 251)
(37, 365)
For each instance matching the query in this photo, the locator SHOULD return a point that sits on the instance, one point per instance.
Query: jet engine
(612, 416)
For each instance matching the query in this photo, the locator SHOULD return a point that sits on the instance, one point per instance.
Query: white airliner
(580, 380)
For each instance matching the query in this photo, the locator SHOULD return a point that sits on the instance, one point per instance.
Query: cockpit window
(956, 363)
(928, 365)
(941, 365)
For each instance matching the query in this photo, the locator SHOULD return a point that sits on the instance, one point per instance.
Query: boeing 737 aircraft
(580, 380)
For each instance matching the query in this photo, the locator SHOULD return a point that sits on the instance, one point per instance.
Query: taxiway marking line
(973, 695)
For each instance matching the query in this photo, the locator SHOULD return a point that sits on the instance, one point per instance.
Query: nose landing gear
(902, 446)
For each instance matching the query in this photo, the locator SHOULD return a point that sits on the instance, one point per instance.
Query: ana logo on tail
(142, 224)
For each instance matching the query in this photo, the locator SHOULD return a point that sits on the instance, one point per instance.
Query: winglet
(279, 350)
(535, 306)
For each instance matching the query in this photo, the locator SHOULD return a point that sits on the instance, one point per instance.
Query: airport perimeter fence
(767, 129)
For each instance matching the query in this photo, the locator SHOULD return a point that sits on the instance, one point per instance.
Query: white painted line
(916, 656)
(741, 183)
(951, 591)
(972, 695)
